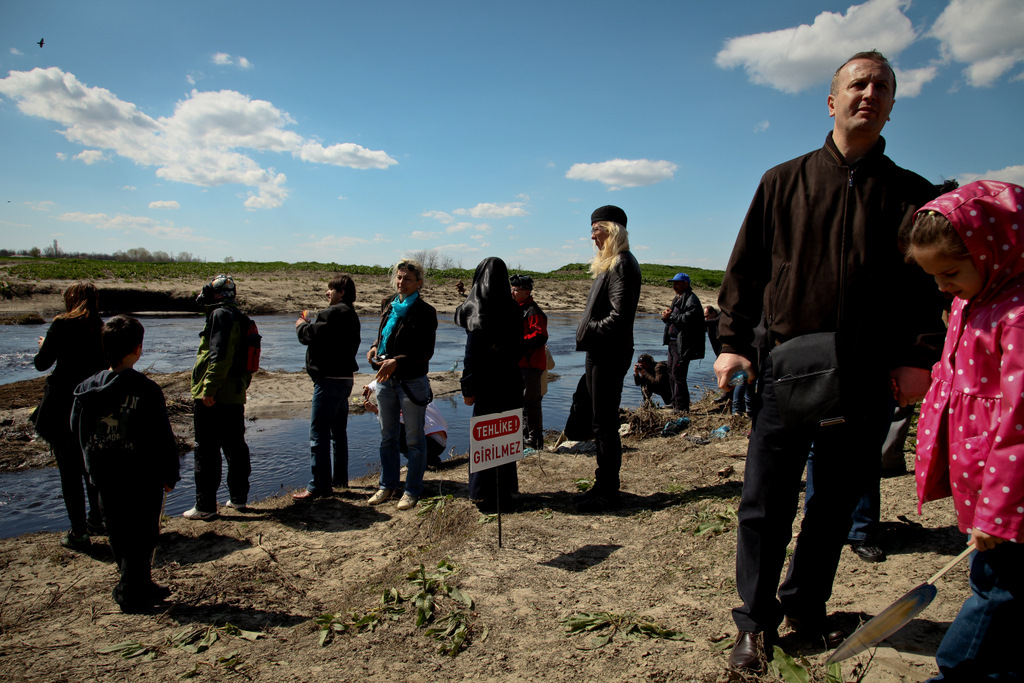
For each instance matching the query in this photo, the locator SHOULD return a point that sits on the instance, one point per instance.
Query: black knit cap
(521, 282)
(609, 213)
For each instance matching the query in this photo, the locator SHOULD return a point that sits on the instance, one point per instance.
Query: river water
(30, 501)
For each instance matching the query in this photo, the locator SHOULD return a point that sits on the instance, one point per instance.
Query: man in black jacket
(332, 340)
(817, 251)
(684, 336)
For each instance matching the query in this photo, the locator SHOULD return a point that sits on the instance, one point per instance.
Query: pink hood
(987, 215)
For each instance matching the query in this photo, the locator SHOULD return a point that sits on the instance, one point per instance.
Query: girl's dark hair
(121, 335)
(82, 301)
(343, 283)
(931, 229)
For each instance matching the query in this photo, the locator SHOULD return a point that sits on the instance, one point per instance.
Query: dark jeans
(864, 520)
(221, 427)
(981, 644)
(71, 467)
(771, 490)
(532, 399)
(328, 427)
(677, 371)
(132, 516)
(605, 372)
(742, 398)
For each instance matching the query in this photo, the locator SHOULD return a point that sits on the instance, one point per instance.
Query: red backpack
(247, 355)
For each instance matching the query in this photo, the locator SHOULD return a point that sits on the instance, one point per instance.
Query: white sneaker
(196, 513)
(239, 507)
(382, 496)
(407, 502)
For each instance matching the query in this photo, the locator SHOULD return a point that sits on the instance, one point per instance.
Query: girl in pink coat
(971, 430)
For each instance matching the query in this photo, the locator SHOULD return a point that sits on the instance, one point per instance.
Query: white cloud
(440, 216)
(90, 157)
(45, 205)
(460, 227)
(224, 59)
(333, 243)
(61, 156)
(794, 59)
(206, 142)
(1010, 174)
(620, 173)
(16, 51)
(130, 188)
(166, 204)
(131, 224)
(987, 35)
(910, 82)
(488, 210)
(762, 126)
(424, 235)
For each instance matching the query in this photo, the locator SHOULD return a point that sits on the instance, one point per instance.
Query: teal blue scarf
(398, 311)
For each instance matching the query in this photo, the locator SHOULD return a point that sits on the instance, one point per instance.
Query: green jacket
(213, 374)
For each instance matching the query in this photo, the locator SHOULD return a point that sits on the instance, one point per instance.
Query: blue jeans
(981, 644)
(328, 427)
(393, 402)
(742, 399)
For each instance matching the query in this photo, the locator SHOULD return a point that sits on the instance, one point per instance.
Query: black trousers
(605, 372)
(75, 484)
(678, 368)
(532, 401)
(221, 427)
(131, 513)
(776, 458)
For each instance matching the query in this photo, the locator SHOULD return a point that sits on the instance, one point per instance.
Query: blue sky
(359, 132)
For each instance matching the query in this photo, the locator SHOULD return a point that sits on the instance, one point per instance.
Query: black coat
(333, 340)
(607, 322)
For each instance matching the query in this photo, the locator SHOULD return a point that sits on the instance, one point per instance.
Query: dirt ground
(249, 590)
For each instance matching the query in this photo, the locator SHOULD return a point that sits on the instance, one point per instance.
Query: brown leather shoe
(818, 630)
(748, 653)
(304, 494)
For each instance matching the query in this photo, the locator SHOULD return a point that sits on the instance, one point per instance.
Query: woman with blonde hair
(73, 343)
(605, 333)
(401, 356)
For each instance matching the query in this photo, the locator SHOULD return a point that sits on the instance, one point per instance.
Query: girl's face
(956, 276)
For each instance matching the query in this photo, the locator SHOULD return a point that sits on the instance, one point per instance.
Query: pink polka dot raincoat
(970, 436)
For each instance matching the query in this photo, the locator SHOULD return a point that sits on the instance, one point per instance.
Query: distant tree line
(136, 255)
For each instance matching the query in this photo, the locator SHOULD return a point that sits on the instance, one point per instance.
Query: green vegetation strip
(83, 269)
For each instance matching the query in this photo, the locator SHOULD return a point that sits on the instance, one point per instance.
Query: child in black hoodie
(120, 419)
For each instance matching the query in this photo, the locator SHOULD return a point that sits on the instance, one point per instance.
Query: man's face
(864, 99)
(520, 294)
(678, 286)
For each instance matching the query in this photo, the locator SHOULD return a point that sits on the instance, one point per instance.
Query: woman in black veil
(491, 380)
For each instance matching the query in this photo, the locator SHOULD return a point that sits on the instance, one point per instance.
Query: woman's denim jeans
(328, 427)
(393, 402)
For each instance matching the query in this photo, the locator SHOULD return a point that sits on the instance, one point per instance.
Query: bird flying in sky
(40, 42)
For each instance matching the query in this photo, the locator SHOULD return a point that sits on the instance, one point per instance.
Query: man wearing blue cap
(684, 336)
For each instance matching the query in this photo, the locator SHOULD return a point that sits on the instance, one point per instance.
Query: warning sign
(495, 439)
